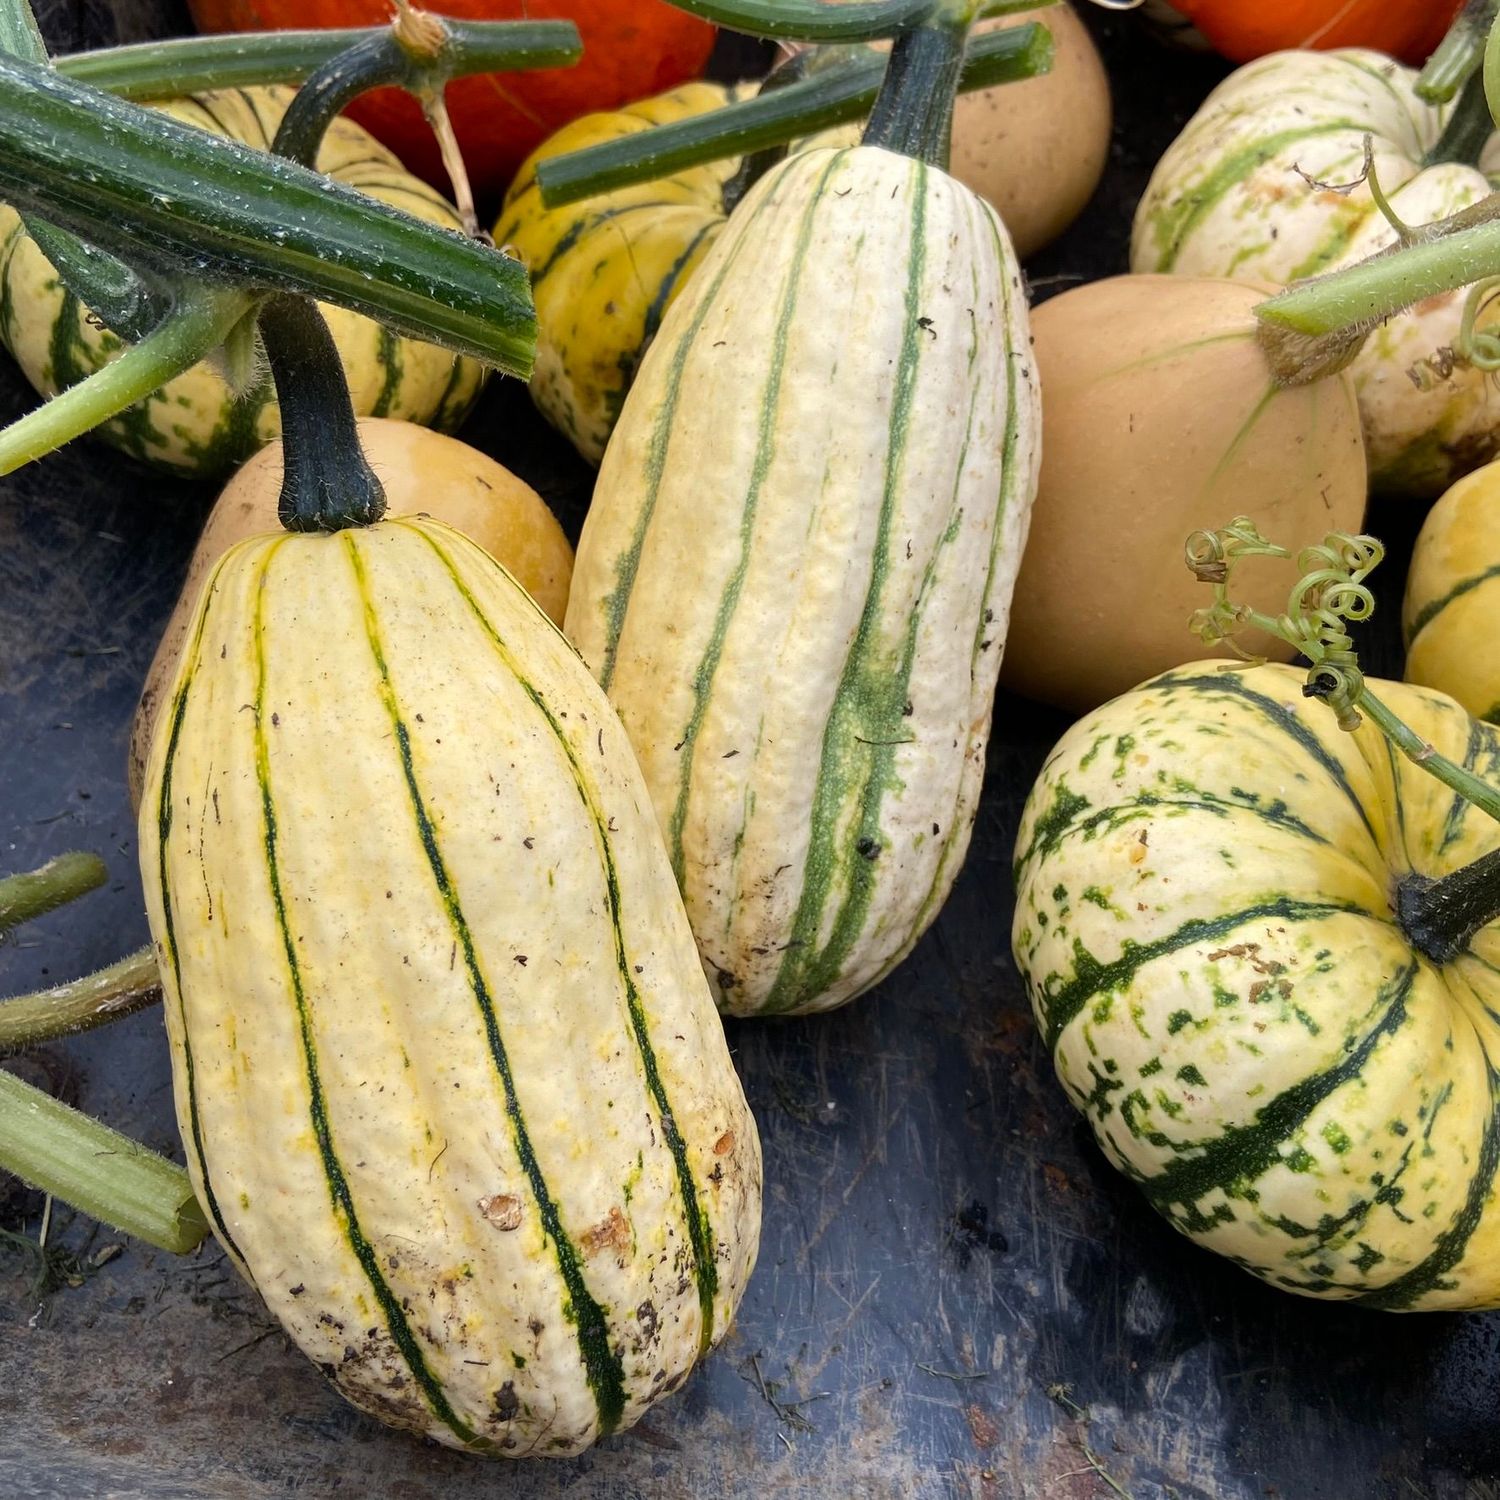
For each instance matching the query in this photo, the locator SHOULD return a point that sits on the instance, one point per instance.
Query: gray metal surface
(955, 1296)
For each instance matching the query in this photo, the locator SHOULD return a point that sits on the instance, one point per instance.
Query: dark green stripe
(1174, 221)
(583, 226)
(1450, 1245)
(1061, 1002)
(1453, 824)
(700, 1231)
(602, 1366)
(164, 820)
(617, 602)
(1434, 607)
(868, 707)
(1232, 685)
(338, 1185)
(765, 455)
(1244, 1152)
(669, 281)
(389, 356)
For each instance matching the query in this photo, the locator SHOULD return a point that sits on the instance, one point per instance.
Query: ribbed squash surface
(450, 1083)
(795, 575)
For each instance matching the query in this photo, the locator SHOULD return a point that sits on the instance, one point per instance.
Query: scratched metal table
(955, 1295)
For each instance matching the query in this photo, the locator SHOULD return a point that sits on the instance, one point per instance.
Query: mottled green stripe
(164, 821)
(700, 1231)
(1175, 221)
(658, 304)
(583, 226)
(1245, 1152)
(868, 707)
(333, 1170)
(768, 427)
(1434, 607)
(616, 603)
(1062, 1001)
(388, 356)
(602, 1366)
(1233, 686)
(1448, 1250)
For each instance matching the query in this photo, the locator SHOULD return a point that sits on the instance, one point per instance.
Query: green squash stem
(33, 893)
(1468, 129)
(126, 986)
(1459, 54)
(1441, 916)
(913, 112)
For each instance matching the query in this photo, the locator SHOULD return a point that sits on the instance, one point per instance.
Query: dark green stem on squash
(33, 893)
(836, 95)
(814, 20)
(187, 65)
(913, 112)
(327, 483)
(1441, 916)
(107, 1175)
(1459, 54)
(80, 1005)
(1468, 129)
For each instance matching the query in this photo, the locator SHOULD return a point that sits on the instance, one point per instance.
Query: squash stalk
(126, 986)
(1459, 54)
(913, 112)
(327, 482)
(1440, 916)
(1469, 127)
(36, 892)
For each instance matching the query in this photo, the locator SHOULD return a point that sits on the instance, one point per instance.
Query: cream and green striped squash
(193, 425)
(451, 1086)
(1207, 871)
(1265, 184)
(795, 577)
(1451, 615)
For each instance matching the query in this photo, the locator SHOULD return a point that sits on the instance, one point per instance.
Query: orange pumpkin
(630, 48)
(1408, 29)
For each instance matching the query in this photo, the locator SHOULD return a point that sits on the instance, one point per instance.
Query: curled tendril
(1479, 346)
(1329, 594)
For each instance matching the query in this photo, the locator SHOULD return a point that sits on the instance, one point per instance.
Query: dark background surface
(955, 1295)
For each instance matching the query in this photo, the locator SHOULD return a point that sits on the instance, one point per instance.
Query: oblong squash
(794, 578)
(449, 1080)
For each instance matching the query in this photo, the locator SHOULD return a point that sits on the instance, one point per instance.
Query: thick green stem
(187, 65)
(33, 893)
(109, 1176)
(327, 483)
(197, 325)
(913, 113)
(1441, 916)
(1468, 129)
(814, 20)
(81, 1004)
(1459, 54)
(135, 181)
(836, 95)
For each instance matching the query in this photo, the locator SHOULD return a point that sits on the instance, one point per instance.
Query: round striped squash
(1265, 184)
(604, 270)
(1207, 873)
(795, 575)
(193, 425)
(450, 1083)
(1451, 617)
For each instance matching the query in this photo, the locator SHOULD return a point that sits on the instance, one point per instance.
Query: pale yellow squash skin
(352, 988)
(423, 472)
(1451, 616)
(795, 574)
(1265, 184)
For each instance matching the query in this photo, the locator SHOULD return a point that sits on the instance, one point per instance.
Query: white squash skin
(816, 263)
(1425, 421)
(415, 1105)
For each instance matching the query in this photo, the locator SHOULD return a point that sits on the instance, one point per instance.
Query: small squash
(423, 472)
(794, 577)
(1451, 617)
(1208, 879)
(1162, 417)
(1266, 184)
(450, 1083)
(193, 425)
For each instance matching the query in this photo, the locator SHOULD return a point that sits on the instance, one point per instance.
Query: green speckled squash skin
(1264, 184)
(1206, 871)
(450, 1083)
(192, 425)
(795, 577)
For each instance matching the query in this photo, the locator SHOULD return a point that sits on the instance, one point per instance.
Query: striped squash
(193, 425)
(1451, 617)
(795, 575)
(1245, 191)
(604, 270)
(449, 1080)
(1206, 874)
